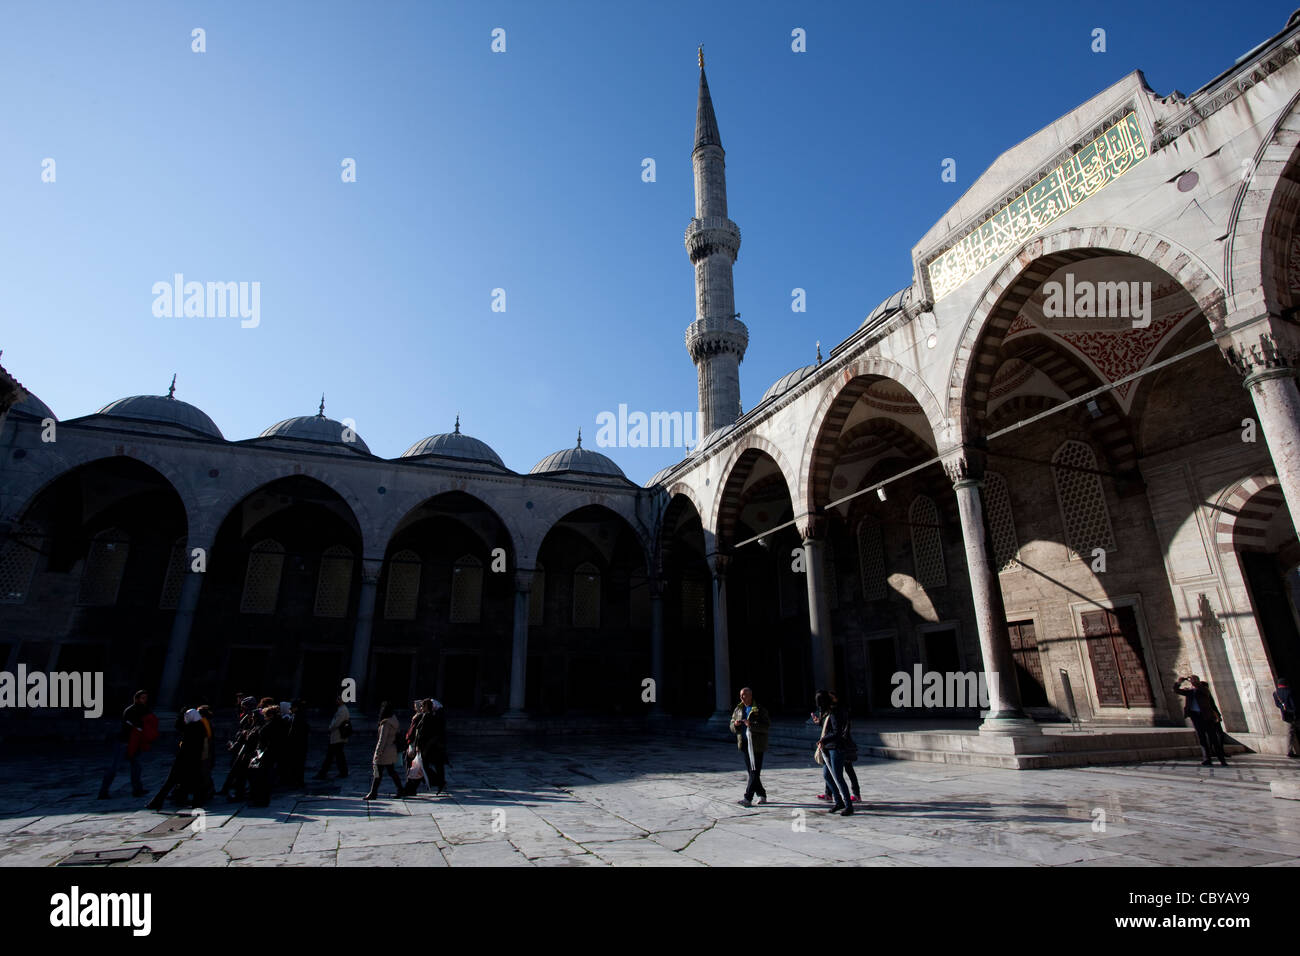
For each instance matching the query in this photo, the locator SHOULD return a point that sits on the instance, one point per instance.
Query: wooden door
(1118, 664)
(1029, 666)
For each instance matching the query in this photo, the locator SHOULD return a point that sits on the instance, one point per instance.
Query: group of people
(268, 748)
(836, 750)
(423, 746)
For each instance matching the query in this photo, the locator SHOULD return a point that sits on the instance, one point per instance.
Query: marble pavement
(614, 801)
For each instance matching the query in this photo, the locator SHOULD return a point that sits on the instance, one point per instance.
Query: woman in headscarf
(386, 752)
(268, 741)
(186, 775)
(432, 744)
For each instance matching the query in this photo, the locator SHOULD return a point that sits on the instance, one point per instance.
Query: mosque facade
(1066, 455)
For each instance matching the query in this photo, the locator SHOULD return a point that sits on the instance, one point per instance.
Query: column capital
(718, 563)
(1262, 351)
(965, 463)
(813, 527)
(524, 580)
(657, 584)
(370, 569)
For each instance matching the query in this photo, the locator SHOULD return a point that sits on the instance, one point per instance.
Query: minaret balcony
(713, 234)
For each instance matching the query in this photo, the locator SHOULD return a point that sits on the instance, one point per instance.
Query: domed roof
(165, 410)
(787, 382)
(578, 459)
(887, 308)
(455, 445)
(660, 475)
(33, 406)
(317, 428)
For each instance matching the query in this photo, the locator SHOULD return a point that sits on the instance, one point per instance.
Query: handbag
(818, 759)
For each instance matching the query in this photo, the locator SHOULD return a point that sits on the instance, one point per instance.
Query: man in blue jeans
(132, 722)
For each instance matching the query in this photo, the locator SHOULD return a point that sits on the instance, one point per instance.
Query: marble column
(1005, 716)
(819, 611)
(657, 644)
(182, 625)
(721, 644)
(357, 670)
(519, 646)
(1277, 402)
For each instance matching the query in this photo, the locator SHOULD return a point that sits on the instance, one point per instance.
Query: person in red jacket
(129, 742)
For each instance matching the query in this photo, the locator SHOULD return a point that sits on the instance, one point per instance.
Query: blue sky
(518, 170)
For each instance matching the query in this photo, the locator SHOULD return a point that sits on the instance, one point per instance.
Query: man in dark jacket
(1204, 714)
(751, 723)
(132, 723)
(431, 741)
(295, 746)
(1286, 704)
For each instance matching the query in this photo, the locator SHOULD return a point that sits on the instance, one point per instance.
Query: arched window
(105, 562)
(586, 595)
(335, 582)
(262, 579)
(466, 590)
(537, 596)
(18, 560)
(403, 586)
(871, 557)
(1083, 504)
(175, 576)
(1002, 525)
(927, 546)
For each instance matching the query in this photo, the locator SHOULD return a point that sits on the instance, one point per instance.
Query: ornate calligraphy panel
(1117, 150)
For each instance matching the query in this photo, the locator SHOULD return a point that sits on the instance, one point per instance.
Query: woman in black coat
(431, 741)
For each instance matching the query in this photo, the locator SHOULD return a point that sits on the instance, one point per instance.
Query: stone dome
(580, 460)
(454, 445)
(163, 410)
(886, 309)
(787, 382)
(660, 475)
(316, 428)
(33, 406)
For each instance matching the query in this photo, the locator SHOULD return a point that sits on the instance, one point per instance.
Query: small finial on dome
(171, 389)
(819, 351)
(320, 412)
(579, 437)
(458, 423)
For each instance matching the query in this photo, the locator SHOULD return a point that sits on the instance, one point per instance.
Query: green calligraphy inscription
(1109, 156)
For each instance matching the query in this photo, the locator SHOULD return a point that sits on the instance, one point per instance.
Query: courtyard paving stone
(583, 801)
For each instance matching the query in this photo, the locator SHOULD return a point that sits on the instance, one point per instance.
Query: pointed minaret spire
(717, 339)
(320, 412)
(706, 123)
(171, 390)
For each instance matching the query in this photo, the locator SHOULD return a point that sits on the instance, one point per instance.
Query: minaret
(716, 339)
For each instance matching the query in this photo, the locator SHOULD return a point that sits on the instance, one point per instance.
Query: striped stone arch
(58, 463)
(245, 482)
(1111, 429)
(680, 496)
(972, 371)
(381, 537)
(846, 387)
(726, 507)
(1245, 511)
(1264, 215)
(620, 506)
